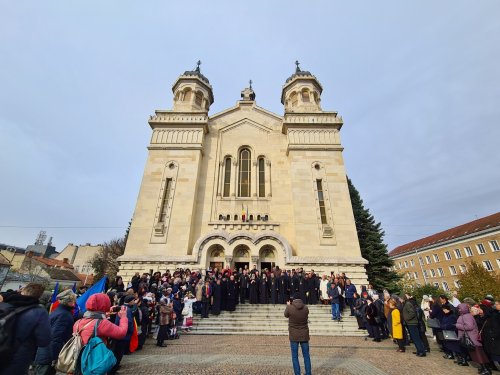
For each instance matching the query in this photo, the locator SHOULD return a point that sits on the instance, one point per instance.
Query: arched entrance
(216, 257)
(241, 257)
(267, 257)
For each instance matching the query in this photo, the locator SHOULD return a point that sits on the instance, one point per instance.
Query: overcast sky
(417, 83)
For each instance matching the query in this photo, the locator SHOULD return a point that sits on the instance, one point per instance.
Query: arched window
(262, 177)
(227, 177)
(294, 99)
(198, 98)
(187, 95)
(244, 178)
(305, 96)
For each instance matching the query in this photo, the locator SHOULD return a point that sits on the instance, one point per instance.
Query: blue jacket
(334, 293)
(130, 329)
(449, 322)
(61, 327)
(350, 290)
(32, 331)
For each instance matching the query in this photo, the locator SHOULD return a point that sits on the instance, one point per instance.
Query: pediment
(241, 111)
(246, 123)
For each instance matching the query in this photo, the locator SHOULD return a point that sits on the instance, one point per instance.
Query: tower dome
(192, 92)
(301, 92)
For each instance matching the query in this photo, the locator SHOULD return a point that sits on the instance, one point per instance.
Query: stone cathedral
(244, 186)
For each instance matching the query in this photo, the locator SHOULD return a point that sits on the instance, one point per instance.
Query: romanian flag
(134, 339)
(53, 300)
(243, 213)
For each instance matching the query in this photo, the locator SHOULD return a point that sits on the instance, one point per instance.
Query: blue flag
(98, 287)
(74, 287)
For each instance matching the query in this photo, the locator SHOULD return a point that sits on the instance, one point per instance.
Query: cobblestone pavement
(270, 355)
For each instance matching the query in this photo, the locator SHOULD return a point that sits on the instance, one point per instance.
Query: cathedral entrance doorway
(216, 257)
(241, 257)
(267, 257)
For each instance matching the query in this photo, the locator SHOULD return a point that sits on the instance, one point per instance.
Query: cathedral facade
(245, 186)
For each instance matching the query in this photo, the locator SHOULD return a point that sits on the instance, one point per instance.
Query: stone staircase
(269, 320)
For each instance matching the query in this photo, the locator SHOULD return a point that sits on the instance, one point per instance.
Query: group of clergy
(230, 287)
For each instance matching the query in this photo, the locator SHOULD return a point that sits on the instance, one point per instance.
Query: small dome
(196, 72)
(299, 73)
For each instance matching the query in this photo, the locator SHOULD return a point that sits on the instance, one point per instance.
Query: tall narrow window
(321, 201)
(244, 184)
(262, 178)
(227, 177)
(164, 201)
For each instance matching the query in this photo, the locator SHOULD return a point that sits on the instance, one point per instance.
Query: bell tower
(301, 92)
(192, 92)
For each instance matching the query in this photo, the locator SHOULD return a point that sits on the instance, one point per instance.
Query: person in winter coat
(350, 289)
(32, 328)
(122, 345)
(491, 334)
(187, 322)
(61, 328)
(298, 332)
(395, 325)
(372, 318)
(334, 295)
(359, 311)
(164, 312)
(411, 318)
(451, 348)
(466, 325)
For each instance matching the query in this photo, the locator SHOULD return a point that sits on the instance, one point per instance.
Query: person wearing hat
(298, 332)
(122, 345)
(187, 312)
(61, 327)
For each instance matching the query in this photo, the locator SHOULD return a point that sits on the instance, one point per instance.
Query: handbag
(450, 335)
(68, 356)
(433, 323)
(185, 310)
(466, 342)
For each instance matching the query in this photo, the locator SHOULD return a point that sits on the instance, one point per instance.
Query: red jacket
(100, 302)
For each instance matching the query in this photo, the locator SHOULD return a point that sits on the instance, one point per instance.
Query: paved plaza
(247, 355)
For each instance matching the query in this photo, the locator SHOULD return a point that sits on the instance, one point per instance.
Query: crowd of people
(162, 305)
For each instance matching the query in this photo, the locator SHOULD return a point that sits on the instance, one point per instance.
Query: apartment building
(440, 258)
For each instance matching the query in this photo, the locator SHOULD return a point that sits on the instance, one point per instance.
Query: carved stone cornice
(184, 138)
(179, 119)
(316, 120)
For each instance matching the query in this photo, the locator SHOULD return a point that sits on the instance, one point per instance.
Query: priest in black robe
(302, 289)
(282, 287)
(231, 294)
(216, 298)
(223, 285)
(263, 289)
(273, 289)
(253, 288)
(244, 284)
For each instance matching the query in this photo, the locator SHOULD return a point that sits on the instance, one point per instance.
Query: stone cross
(298, 68)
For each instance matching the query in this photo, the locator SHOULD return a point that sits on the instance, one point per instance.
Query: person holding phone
(298, 330)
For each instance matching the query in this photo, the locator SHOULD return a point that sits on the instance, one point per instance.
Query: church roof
(196, 72)
(452, 234)
(299, 73)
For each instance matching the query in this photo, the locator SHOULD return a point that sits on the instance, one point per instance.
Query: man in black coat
(206, 297)
(61, 327)
(243, 286)
(32, 328)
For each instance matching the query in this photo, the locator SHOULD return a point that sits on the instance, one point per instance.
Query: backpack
(68, 356)
(96, 359)
(8, 318)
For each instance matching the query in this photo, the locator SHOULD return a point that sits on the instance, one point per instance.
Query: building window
(164, 201)
(305, 96)
(480, 248)
(428, 259)
(400, 265)
(457, 283)
(406, 264)
(447, 255)
(244, 183)
(321, 201)
(425, 274)
(198, 99)
(412, 262)
(433, 273)
(421, 261)
(262, 178)
(227, 177)
(294, 99)
(458, 254)
(498, 263)
(436, 258)
(445, 286)
(436, 285)
(415, 274)
(441, 272)
(468, 251)
(463, 268)
(494, 245)
(487, 265)
(453, 270)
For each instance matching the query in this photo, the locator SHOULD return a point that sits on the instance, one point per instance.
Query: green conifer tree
(373, 249)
